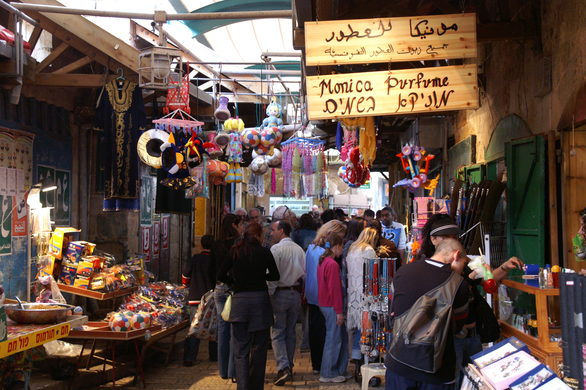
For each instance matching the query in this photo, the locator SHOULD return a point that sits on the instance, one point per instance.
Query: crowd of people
(310, 270)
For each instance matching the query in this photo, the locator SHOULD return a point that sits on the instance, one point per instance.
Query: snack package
(60, 240)
(67, 275)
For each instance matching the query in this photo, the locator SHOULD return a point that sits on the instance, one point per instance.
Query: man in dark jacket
(413, 281)
(197, 276)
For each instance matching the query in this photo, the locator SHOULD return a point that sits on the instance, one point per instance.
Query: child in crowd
(335, 354)
(197, 277)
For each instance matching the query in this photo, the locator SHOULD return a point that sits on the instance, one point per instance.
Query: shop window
(298, 206)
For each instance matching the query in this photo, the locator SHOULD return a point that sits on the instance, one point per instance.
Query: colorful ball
(278, 135)
(250, 138)
(268, 137)
(262, 150)
(342, 172)
(259, 166)
(275, 159)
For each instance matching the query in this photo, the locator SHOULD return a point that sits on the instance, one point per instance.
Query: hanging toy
(234, 150)
(222, 113)
(250, 138)
(194, 152)
(172, 159)
(415, 162)
(212, 148)
(259, 166)
(262, 150)
(273, 112)
(268, 137)
(217, 171)
(275, 159)
(356, 172)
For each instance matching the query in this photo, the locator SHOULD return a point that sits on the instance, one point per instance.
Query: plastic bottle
(549, 280)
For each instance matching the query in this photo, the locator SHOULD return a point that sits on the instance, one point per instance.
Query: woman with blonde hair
(363, 248)
(316, 321)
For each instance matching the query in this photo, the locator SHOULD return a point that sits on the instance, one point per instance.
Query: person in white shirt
(286, 298)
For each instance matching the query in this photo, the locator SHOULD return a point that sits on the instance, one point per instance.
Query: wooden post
(553, 204)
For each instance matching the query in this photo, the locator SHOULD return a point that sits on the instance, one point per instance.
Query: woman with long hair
(231, 229)
(247, 271)
(363, 248)
(316, 322)
(335, 353)
(355, 227)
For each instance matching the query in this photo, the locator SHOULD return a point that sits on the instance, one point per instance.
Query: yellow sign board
(33, 339)
(360, 41)
(394, 92)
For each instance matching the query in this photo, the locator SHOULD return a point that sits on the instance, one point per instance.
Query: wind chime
(378, 275)
(304, 168)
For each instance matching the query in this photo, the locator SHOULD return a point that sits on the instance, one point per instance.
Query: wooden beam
(57, 51)
(69, 80)
(34, 38)
(74, 65)
(153, 38)
(298, 38)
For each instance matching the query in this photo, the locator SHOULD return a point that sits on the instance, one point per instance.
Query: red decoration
(178, 96)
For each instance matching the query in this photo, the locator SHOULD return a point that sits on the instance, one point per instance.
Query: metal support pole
(151, 16)
(275, 54)
(241, 81)
(15, 11)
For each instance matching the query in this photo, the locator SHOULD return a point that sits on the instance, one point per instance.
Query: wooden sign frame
(394, 92)
(414, 38)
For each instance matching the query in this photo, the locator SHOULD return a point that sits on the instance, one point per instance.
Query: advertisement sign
(146, 242)
(415, 38)
(19, 218)
(394, 92)
(156, 240)
(5, 225)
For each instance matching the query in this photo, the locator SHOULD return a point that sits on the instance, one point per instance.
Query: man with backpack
(430, 305)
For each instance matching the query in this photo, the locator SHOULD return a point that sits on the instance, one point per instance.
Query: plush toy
(217, 171)
(356, 172)
(172, 158)
(211, 147)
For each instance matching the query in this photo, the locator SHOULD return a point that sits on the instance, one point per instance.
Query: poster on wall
(156, 240)
(146, 242)
(5, 225)
(3, 182)
(147, 200)
(62, 197)
(11, 181)
(165, 232)
(19, 218)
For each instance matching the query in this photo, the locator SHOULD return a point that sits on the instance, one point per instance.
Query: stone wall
(517, 77)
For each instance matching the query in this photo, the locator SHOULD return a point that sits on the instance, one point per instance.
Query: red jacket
(329, 285)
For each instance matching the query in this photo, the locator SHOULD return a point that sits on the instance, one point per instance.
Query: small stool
(370, 370)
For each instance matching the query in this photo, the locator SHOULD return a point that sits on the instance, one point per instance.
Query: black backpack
(420, 333)
(487, 325)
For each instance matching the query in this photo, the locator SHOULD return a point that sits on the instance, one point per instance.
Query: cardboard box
(60, 240)
(82, 282)
(85, 269)
(68, 274)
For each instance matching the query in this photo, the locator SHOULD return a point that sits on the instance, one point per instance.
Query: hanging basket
(178, 96)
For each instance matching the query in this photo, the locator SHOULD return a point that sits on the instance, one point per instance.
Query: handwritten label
(33, 339)
(390, 39)
(396, 92)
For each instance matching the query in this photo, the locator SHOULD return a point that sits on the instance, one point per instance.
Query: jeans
(465, 348)
(394, 381)
(354, 335)
(225, 358)
(250, 355)
(317, 335)
(335, 355)
(286, 308)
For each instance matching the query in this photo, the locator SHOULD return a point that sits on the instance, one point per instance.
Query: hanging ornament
(250, 138)
(222, 113)
(273, 112)
(275, 159)
(415, 162)
(149, 147)
(259, 166)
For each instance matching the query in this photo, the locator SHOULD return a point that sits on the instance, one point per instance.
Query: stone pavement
(204, 374)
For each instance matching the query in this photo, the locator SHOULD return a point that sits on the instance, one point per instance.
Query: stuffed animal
(274, 111)
(211, 147)
(172, 158)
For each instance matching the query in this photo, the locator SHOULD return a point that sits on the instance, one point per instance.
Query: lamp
(154, 67)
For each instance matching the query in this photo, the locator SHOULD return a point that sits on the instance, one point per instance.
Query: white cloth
(290, 260)
(354, 264)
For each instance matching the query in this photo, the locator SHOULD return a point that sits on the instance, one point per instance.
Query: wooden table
(26, 336)
(99, 331)
(100, 296)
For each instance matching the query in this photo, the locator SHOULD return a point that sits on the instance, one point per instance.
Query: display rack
(100, 296)
(378, 275)
(544, 345)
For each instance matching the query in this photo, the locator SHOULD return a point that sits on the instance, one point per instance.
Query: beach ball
(263, 150)
(120, 322)
(268, 137)
(140, 320)
(250, 138)
(275, 159)
(342, 172)
(259, 166)
(278, 135)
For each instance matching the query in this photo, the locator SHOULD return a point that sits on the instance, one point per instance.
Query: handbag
(204, 324)
(487, 325)
(227, 308)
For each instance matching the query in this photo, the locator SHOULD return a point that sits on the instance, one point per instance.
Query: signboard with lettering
(413, 38)
(394, 92)
(33, 339)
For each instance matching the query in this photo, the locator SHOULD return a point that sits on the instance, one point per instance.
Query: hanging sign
(156, 240)
(396, 92)
(33, 339)
(165, 232)
(5, 225)
(19, 217)
(359, 41)
(146, 242)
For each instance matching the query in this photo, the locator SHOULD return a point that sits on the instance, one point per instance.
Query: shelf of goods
(542, 332)
(22, 337)
(101, 296)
